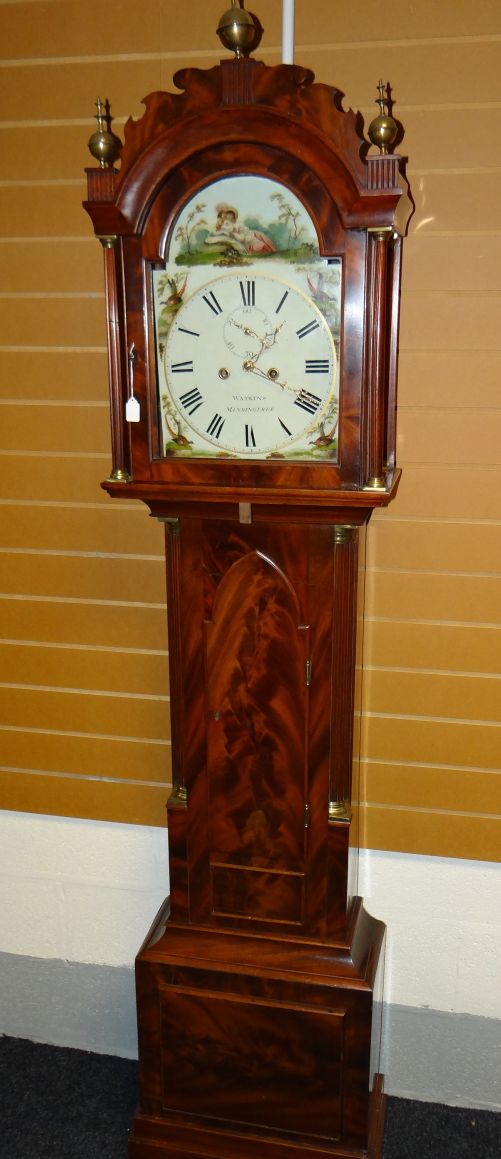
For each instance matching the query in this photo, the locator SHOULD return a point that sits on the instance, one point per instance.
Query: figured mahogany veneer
(258, 987)
(266, 621)
(257, 1047)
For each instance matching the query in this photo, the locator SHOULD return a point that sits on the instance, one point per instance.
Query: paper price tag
(132, 410)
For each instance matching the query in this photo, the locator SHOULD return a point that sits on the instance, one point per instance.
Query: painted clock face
(247, 328)
(250, 364)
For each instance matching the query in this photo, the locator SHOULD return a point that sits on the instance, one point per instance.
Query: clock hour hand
(269, 376)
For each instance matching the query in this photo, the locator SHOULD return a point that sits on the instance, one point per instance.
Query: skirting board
(88, 1007)
(431, 1055)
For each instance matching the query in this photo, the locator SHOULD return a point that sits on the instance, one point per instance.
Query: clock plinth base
(258, 1046)
(152, 1137)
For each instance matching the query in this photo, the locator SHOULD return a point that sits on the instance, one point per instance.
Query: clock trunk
(262, 661)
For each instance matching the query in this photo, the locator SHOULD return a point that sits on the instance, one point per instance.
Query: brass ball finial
(104, 145)
(383, 129)
(236, 30)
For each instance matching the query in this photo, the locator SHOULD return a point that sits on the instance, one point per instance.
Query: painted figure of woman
(227, 232)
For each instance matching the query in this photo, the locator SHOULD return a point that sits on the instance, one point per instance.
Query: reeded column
(177, 805)
(343, 667)
(377, 346)
(119, 447)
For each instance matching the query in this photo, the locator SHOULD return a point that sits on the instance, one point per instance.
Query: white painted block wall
(87, 891)
(444, 930)
(79, 891)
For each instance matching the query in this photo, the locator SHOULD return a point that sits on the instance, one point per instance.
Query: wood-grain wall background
(84, 712)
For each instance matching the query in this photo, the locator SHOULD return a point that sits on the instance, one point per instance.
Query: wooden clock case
(257, 987)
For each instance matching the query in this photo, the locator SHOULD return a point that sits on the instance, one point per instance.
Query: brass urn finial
(237, 31)
(104, 145)
(383, 129)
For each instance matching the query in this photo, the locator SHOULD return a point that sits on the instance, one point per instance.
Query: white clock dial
(250, 366)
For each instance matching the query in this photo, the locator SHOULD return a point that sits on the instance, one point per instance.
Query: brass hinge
(307, 816)
(308, 673)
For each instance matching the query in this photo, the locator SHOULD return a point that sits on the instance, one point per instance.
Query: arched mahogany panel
(257, 715)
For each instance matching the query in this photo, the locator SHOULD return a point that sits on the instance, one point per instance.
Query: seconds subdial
(248, 332)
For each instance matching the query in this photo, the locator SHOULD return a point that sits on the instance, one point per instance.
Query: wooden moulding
(257, 1046)
(266, 503)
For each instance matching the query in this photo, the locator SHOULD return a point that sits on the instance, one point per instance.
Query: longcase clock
(252, 259)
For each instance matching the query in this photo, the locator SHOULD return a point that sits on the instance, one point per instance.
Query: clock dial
(250, 368)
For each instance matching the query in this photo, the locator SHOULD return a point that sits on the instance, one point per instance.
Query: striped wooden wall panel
(68, 477)
(83, 654)
(108, 624)
(84, 577)
(80, 796)
(98, 667)
(420, 487)
(83, 755)
(38, 266)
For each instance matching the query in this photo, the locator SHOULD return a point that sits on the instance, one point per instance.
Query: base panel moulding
(258, 1046)
(152, 1137)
